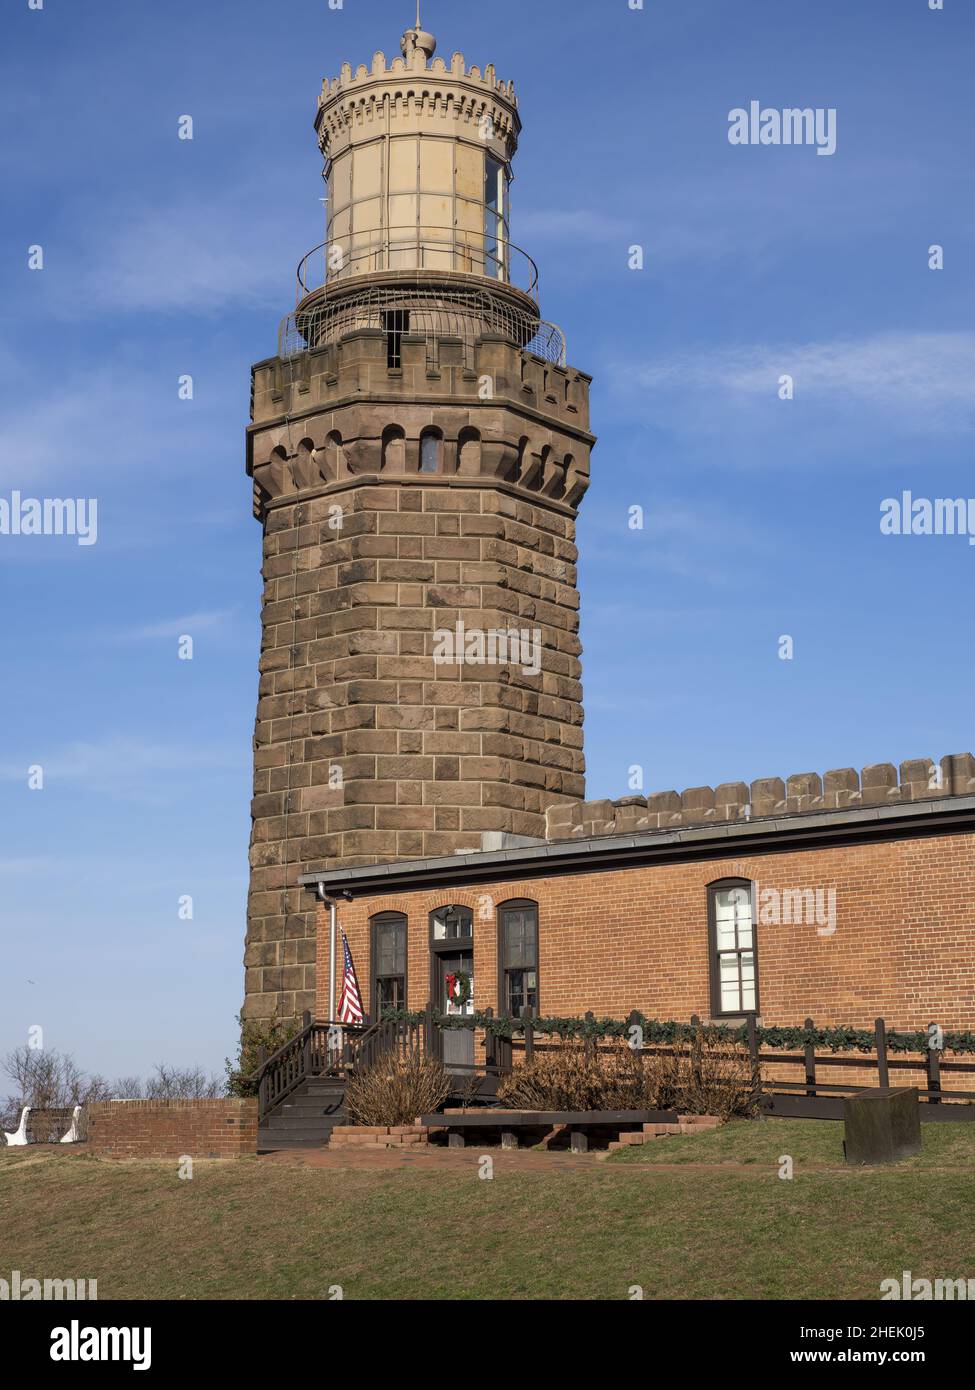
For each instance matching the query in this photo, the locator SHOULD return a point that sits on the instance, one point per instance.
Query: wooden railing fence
(323, 1048)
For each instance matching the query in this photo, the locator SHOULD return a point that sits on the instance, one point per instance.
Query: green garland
(839, 1039)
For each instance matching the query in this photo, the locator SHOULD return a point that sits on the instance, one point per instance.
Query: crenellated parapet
(414, 94)
(339, 415)
(349, 79)
(804, 793)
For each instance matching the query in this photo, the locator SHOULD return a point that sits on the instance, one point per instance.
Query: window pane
(519, 948)
(729, 981)
(429, 454)
(492, 214)
(520, 938)
(521, 990)
(733, 918)
(730, 998)
(390, 993)
(453, 923)
(391, 948)
(727, 937)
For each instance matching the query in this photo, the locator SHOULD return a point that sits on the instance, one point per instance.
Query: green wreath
(459, 988)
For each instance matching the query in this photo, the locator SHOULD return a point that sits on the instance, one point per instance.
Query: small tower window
(396, 322)
(431, 452)
(495, 214)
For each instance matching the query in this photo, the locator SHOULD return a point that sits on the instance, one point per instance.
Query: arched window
(734, 949)
(431, 451)
(517, 956)
(469, 453)
(394, 449)
(557, 475)
(516, 473)
(451, 923)
(388, 931)
(335, 461)
(306, 470)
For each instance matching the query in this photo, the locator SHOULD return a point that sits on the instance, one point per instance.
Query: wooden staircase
(301, 1087)
(305, 1120)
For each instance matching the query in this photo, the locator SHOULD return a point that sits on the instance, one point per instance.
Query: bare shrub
(635, 1081)
(395, 1090)
(47, 1080)
(717, 1077)
(270, 1033)
(181, 1083)
(707, 1075)
(564, 1077)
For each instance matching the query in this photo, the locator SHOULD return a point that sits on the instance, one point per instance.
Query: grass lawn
(698, 1217)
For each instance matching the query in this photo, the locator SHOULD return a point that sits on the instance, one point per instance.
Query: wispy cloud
(123, 765)
(95, 424)
(685, 541)
(189, 623)
(851, 395)
(195, 255)
(927, 371)
(575, 225)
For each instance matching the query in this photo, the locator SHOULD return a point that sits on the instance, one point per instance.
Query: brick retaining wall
(171, 1128)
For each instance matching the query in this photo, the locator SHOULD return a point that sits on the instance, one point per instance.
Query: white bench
(20, 1134)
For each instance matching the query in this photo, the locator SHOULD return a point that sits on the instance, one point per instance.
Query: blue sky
(165, 257)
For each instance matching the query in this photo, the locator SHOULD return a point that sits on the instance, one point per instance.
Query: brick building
(841, 899)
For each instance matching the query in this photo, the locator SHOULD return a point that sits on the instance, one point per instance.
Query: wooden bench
(512, 1123)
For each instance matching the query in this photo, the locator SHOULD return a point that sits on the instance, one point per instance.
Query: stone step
(321, 1133)
(269, 1140)
(312, 1105)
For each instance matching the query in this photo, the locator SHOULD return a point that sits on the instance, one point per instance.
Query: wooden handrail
(328, 1048)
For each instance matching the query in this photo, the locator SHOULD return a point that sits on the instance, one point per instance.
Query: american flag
(350, 1003)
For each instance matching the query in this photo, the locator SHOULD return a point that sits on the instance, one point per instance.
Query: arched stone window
(517, 472)
(393, 450)
(431, 451)
(335, 460)
(305, 467)
(469, 453)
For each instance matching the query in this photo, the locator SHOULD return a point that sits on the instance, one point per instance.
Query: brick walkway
(511, 1160)
(430, 1156)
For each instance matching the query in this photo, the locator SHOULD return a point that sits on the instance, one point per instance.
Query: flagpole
(331, 961)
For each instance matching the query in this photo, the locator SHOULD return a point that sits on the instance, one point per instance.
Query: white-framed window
(495, 218)
(734, 953)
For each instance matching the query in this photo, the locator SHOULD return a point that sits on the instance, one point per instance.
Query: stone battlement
(417, 64)
(356, 367)
(338, 415)
(879, 784)
(413, 94)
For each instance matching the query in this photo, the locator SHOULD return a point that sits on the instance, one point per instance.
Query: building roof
(775, 834)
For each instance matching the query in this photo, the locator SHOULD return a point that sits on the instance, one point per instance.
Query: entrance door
(456, 972)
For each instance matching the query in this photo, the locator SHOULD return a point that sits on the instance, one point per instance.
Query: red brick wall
(903, 947)
(171, 1128)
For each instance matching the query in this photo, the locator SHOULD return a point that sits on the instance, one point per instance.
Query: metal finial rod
(418, 13)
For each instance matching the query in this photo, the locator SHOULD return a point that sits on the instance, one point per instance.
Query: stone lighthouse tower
(419, 449)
